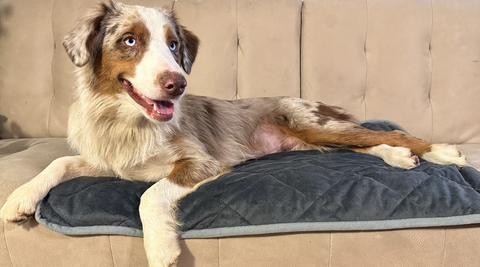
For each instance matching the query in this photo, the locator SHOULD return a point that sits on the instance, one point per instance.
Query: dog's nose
(173, 83)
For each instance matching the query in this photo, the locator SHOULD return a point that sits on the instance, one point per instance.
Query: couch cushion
(26, 48)
(416, 64)
(23, 159)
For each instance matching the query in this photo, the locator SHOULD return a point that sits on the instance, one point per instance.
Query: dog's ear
(188, 48)
(85, 39)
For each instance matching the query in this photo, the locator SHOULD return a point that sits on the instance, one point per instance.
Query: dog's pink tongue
(162, 107)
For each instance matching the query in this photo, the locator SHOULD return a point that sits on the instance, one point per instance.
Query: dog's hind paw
(400, 157)
(445, 154)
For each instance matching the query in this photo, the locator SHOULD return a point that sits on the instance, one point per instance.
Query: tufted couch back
(415, 62)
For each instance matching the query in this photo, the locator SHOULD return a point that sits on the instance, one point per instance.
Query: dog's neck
(107, 124)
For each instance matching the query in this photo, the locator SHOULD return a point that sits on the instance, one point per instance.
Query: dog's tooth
(155, 108)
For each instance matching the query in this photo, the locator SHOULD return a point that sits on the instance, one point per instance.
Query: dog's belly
(270, 138)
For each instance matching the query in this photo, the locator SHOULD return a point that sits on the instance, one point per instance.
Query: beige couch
(415, 62)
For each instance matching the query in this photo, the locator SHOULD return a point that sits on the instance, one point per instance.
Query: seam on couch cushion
(6, 244)
(218, 252)
(54, 91)
(444, 246)
(111, 249)
(366, 64)
(431, 76)
(238, 49)
(330, 249)
(300, 64)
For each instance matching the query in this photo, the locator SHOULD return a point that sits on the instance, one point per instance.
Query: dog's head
(137, 51)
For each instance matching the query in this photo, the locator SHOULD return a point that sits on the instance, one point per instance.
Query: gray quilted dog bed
(284, 192)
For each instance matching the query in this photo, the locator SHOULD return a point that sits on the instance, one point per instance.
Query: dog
(132, 119)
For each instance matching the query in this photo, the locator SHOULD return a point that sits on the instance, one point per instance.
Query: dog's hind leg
(22, 202)
(401, 157)
(304, 123)
(388, 145)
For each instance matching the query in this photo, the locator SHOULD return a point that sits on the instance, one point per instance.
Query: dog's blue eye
(130, 41)
(173, 46)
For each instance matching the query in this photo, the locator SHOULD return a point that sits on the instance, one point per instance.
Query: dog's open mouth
(161, 110)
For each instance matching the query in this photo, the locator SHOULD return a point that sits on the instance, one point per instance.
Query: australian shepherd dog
(132, 119)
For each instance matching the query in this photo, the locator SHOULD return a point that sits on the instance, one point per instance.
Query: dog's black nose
(173, 83)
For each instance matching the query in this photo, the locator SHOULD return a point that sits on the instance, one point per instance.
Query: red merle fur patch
(119, 59)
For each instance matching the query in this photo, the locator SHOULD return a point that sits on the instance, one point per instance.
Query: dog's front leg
(159, 223)
(22, 202)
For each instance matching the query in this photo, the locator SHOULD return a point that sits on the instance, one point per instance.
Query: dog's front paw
(170, 256)
(162, 255)
(19, 205)
(445, 154)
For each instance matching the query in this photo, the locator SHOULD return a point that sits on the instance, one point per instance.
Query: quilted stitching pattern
(310, 186)
(304, 186)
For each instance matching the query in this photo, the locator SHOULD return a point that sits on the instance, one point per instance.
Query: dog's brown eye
(130, 41)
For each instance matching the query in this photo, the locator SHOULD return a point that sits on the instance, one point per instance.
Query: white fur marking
(23, 201)
(159, 223)
(157, 58)
(445, 154)
(400, 157)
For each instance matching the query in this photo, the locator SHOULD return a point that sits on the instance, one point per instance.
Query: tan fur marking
(120, 60)
(359, 137)
(187, 173)
(170, 36)
(181, 175)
